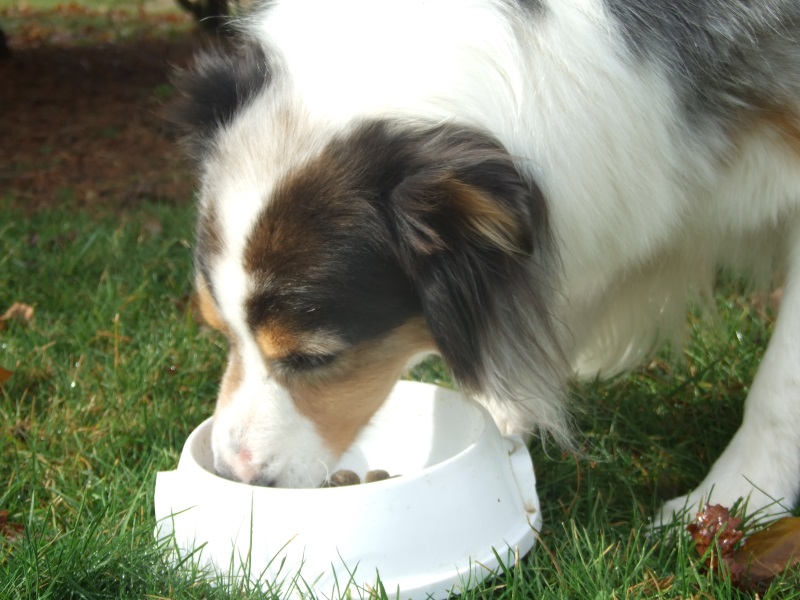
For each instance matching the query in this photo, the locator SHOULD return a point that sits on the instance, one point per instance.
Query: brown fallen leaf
(715, 534)
(19, 311)
(750, 564)
(766, 305)
(769, 552)
(5, 375)
(9, 531)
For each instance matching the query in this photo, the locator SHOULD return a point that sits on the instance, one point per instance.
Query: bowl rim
(484, 430)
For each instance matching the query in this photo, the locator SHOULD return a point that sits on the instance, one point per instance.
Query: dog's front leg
(762, 462)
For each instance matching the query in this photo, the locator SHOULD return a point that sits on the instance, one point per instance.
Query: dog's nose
(235, 465)
(242, 468)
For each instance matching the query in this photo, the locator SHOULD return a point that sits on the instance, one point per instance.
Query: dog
(529, 188)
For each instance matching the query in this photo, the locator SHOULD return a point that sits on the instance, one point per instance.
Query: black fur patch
(318, 249)
(219, 85)
(460, 276)
(389, 222)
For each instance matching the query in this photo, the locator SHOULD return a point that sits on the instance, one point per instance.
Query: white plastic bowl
(466, 496)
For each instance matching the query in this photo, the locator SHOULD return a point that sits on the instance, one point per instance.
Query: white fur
(261, 438)
(643, 208)
(762, 461)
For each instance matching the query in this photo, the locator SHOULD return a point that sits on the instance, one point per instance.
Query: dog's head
(333, 255)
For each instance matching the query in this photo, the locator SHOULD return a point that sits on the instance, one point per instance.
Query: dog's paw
(758, 470)
(752, 501)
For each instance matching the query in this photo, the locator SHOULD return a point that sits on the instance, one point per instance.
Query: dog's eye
(307, 362)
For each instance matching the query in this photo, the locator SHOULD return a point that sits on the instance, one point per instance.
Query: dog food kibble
(343, 478)
(376, 475)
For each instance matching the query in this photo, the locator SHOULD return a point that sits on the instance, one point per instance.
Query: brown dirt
(81, 105)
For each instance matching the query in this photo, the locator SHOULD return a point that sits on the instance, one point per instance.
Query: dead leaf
(766, 305)
(5, 375)
(19, 311)
(715, 534)
(770, 552)
(10, 531)
(152, 228)
(750, 564)
(714, 526)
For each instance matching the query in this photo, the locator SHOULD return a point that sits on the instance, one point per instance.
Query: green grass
(91, 22)
(97, 5)
(113, 373)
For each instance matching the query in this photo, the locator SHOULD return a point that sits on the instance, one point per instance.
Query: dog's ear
(209, 94)
(480, 204)
(475, 239)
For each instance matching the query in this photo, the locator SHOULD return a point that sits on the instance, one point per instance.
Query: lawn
(113, 371)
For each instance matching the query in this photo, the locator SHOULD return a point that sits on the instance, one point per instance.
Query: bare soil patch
(81, 104)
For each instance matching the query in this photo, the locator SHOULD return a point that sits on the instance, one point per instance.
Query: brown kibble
(376, 475)
(343, 478)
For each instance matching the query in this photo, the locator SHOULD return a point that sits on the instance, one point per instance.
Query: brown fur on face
(232, 378)
(208, 308)
(343, 401)
(234, 373)
(277, 342)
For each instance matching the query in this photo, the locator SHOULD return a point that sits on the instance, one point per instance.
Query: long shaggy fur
(544, 184)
